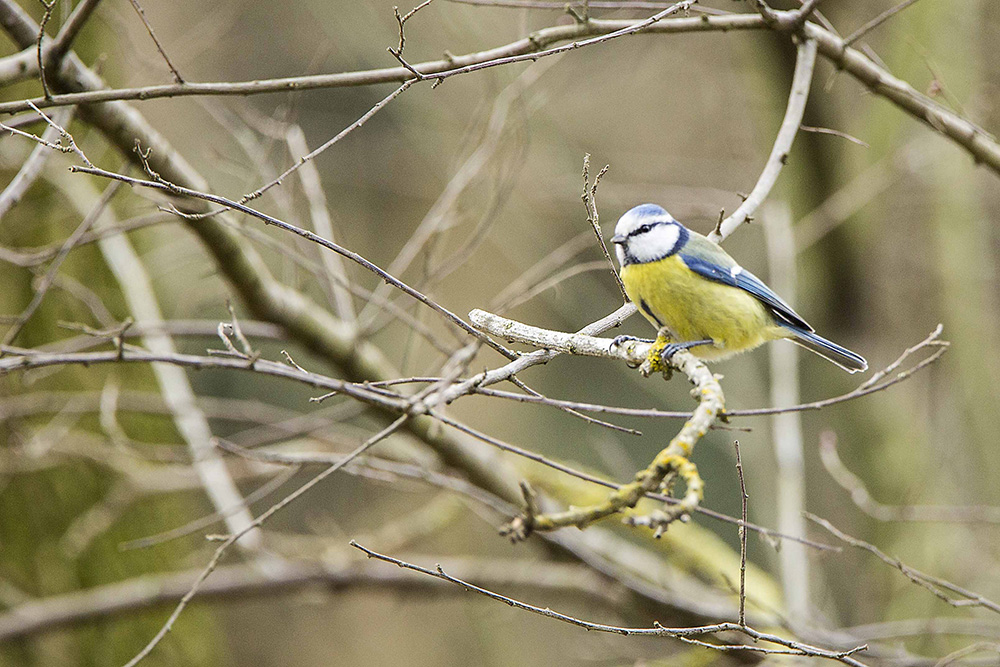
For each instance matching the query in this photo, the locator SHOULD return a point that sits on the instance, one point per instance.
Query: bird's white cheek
(655, 244)
(620, 251)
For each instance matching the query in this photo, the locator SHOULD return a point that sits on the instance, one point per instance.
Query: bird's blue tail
(849, 361)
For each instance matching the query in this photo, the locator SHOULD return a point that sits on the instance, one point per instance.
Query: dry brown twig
(940, 588)
(159, 47)
(688, 635)
(743, 535)
(594, 218)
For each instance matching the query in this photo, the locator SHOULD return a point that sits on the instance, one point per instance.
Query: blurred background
(893, 233)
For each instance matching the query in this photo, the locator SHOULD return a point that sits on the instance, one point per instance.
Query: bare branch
(672, 460)
(983, 147)
(49, 6)
(743, 536)
(353, 256)
(63, 40)
(32, 166)
(939, 587)
(593, 217)
(797, 98)
(684, 634)
(159, 47)
(861, 497)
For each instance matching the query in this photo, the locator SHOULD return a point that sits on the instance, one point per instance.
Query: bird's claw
(618, 341)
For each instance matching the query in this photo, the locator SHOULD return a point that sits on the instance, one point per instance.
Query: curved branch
(672, 460)
(804, 64)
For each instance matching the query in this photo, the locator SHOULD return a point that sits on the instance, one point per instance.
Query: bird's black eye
(645, 228)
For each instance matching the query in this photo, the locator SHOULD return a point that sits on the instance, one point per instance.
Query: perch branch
(670, 462)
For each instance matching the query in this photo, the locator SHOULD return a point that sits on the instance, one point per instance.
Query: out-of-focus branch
(47, 280)
(32, 166)
(861, 497)
(63, 40)
(34, 617)
(172, 188)
(177, 392)
(787, 426)
(319, 211)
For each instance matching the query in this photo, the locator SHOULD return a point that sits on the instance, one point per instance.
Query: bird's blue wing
(735, 276)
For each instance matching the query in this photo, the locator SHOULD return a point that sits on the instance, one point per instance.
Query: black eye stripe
(642, 229)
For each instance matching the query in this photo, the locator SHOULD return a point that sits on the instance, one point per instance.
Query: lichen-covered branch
(672, 462)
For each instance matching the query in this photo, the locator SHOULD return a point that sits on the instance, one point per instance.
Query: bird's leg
(618, 341)
(670, 349)
(663, 349)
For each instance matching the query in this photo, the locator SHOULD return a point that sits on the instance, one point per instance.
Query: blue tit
(686, 284)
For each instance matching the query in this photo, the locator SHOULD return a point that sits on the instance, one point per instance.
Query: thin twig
(687, 635)
(935, 585)
(32, 166)
(464, 176)
(593, 217)
(46, 281)
(743, 536)
(403, 19)
(876, 22)
(538, 458)
(330, 142)
(353, 256)
(203, 522)
(159, 47)
(49, 6)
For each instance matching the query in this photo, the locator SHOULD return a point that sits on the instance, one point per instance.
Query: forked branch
(672, 462)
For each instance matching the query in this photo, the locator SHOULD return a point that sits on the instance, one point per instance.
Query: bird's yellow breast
(693, 308)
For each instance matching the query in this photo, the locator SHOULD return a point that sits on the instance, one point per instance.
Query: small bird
(684, 283)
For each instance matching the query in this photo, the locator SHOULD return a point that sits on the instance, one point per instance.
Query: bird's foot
(662, 352)
(618, 341)
(670, 349)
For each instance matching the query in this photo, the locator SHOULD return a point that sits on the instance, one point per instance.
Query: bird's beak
(618, 238)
